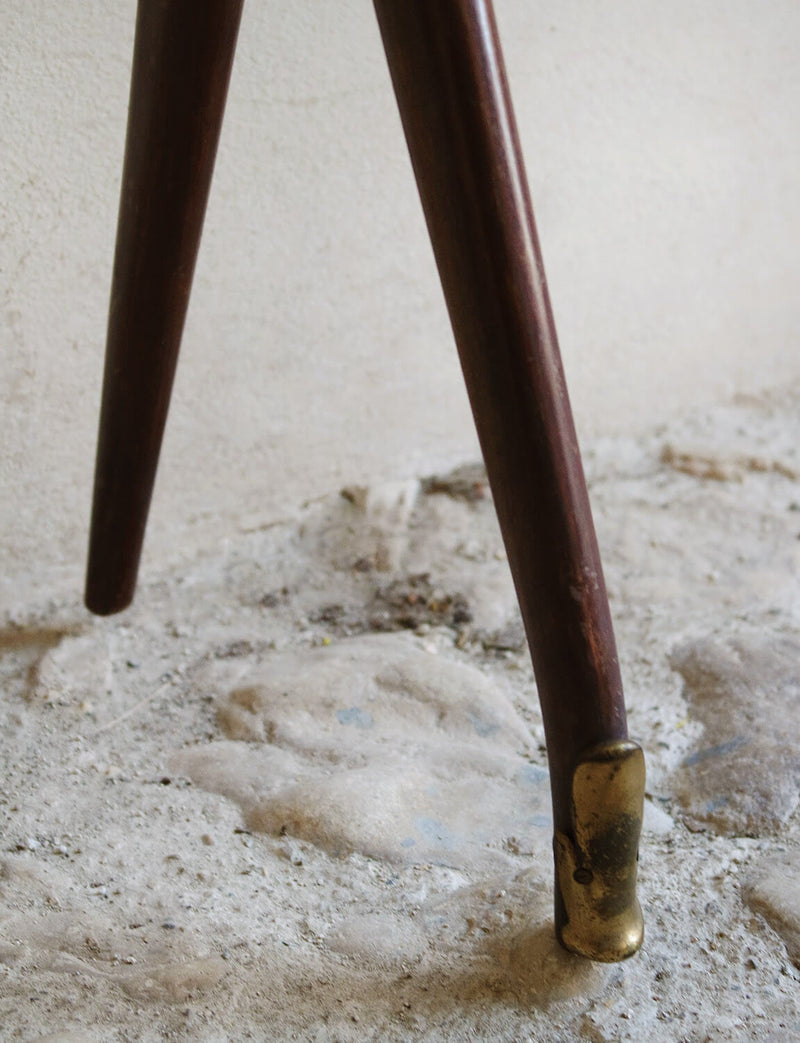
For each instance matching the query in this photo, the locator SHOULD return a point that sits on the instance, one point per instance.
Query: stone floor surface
(299, 790)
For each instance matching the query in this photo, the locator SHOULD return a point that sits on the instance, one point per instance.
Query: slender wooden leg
(448, 75)
(181, 66)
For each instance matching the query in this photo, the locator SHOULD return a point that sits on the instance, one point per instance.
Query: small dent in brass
(597, 913)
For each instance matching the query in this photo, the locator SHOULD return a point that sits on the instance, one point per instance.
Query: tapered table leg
(448, 75)
(181, 66)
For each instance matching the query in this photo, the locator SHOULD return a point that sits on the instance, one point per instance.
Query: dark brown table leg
(448, 75)
(181, 67)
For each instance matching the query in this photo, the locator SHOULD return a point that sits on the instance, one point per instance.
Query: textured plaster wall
(663, 151)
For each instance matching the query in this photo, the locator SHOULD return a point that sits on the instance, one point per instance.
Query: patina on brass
(597, 913)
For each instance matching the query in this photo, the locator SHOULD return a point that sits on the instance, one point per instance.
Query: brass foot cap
(597, 913)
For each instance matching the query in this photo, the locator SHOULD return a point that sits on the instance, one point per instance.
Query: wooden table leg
(448, 75)
(181, 66)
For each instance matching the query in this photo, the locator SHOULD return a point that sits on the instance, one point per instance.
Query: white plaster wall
(664, 155)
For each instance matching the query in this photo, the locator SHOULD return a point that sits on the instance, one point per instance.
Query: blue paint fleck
(355, 715)
(717, 803)
(715, 751)
(532, 775)
(483, 728)
(433, 829)
(541, 821)
(408, 842)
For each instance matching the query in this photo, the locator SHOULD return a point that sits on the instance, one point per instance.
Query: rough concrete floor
(299, 790)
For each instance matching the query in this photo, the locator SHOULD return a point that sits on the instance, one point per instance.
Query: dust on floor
(299, 790)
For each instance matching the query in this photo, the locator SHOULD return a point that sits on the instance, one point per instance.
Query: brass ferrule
(597, 913)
